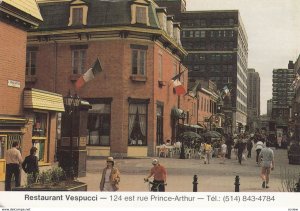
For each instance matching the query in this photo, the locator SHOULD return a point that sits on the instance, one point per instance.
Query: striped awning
(39, 99)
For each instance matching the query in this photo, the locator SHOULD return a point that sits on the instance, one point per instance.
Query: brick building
(134, 106)
(18, 107)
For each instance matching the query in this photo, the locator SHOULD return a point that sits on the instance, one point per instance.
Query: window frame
(31, 66)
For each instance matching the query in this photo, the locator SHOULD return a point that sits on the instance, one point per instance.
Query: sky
(273, 30)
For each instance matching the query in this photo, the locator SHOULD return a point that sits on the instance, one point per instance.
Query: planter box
(62, 186)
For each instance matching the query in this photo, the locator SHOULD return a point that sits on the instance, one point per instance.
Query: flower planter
(61, 186)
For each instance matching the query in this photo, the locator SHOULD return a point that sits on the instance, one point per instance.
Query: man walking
(267, 164)
(13, 162)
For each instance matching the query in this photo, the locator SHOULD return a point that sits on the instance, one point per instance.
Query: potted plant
(53, 179)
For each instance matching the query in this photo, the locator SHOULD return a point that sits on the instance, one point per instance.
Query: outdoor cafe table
(170, 149)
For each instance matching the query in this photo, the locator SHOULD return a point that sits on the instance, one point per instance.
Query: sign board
(82, 141)
(12, 83)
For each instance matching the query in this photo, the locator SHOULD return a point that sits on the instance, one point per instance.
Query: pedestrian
(258, 147)
(229, 143)
(208, 150)
(249, 147)
(30, 165)
(13, 162)
(110, 176)
(159, 174)
(267, 164)
(223, 151)
(240, 147)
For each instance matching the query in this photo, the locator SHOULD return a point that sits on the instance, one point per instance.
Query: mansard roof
(100, 13)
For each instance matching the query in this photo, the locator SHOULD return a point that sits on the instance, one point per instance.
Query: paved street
(215, 177)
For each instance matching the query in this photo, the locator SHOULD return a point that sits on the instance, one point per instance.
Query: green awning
(178, 113)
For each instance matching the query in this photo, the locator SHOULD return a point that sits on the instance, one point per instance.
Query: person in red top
(160, 175)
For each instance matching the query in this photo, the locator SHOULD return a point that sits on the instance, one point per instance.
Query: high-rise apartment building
(283, 94)
(253, 99)
(217, 46)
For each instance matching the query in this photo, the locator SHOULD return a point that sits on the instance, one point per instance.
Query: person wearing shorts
(267, 164)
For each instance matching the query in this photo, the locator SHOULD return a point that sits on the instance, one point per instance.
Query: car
(294, 153)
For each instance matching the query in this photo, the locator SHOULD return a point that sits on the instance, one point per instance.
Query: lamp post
(71, 103)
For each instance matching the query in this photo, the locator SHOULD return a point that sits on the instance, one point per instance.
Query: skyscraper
(253, 99)
(283, 94)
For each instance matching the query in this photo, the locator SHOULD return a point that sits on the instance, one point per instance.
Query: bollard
(195, 184)
(182, 154)
(237, 184)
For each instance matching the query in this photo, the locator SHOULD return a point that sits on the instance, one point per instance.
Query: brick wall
(12, 67)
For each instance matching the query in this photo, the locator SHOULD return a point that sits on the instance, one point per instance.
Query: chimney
(291, 65)
(176, 32)
(162, 17)
(170, 20)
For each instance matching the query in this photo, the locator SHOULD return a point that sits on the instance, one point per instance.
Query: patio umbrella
(212, 134)
(190, 134)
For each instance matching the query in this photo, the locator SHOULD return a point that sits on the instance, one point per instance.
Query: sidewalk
(213, 177)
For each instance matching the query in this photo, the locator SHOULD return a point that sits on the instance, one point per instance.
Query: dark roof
(100, 13)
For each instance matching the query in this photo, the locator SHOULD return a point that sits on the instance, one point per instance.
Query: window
(31, 63)
(39, 134)
(141, 15)
(138, 62)
(78, 61)
(78, 13)
(160, 67)
(137, 124)
(99, 125)
(77, 16)
(159, 124)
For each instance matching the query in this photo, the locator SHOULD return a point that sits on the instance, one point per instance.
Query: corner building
(217, 46)
(139, 50)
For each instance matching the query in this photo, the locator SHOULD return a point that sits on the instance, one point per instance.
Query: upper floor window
(31, 62)
(77, 16)
(160, 67)
(78, 13)
(138, 60)
(78, 59)
(139, 12)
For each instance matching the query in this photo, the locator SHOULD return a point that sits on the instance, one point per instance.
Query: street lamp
(71, 104)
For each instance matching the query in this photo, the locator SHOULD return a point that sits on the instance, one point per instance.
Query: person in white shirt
(267, 164)
(223, 152)
(258, 147)
(13, 164)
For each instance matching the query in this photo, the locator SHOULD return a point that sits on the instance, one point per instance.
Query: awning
(196, 126)
(178, 113)
(39, 99)
(12, 124)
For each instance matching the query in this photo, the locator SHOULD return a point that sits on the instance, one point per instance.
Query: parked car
(294, 153)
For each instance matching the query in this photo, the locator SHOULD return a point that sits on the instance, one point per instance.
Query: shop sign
(12, 83)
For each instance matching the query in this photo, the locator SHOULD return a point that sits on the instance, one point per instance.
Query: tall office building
(253, 99)
(269, 107)
(282, 95)
(218, 50)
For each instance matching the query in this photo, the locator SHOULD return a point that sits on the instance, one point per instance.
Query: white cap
(154, 161)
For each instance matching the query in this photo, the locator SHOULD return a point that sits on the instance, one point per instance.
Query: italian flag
(89, 75)
(179, 88)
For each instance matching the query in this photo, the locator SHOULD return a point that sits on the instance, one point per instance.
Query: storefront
(41, 110)
(11, 130)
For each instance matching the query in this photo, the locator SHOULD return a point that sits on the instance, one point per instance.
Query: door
(3, 141)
